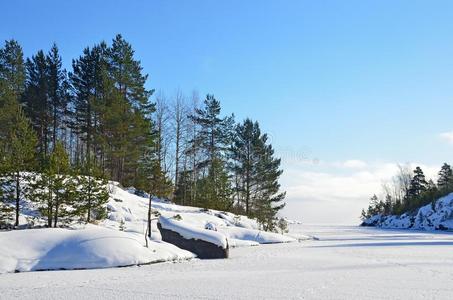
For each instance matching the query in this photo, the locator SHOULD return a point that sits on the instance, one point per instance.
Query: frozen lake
(345, 263)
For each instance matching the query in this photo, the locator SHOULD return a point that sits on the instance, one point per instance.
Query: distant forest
(409, 190)
(98, 121)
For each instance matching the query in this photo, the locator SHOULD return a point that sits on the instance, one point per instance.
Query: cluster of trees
(410, 190)
(74, 129)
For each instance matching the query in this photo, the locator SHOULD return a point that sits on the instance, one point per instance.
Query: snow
(345, 263)
(239, 230)
(253, 235)
(91, 247)
(428, 217)
(191, 232)
(119, 240)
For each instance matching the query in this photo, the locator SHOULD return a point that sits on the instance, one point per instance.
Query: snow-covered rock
(190, 232)
(429, 217)
(205, 243)
(87, 248)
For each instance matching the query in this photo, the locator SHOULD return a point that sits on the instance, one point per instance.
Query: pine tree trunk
(49, 209)
(149, 215)
(55, 219)
(17, 198)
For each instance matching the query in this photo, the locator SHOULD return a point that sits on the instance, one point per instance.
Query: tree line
(409, 190)
(66, 132)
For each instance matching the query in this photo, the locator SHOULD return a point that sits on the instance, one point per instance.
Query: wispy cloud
(447, 136)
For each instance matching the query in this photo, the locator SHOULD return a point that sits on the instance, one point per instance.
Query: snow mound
(437, 216)
(190, 232)
(88, 248)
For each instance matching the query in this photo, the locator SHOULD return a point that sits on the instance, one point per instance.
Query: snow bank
(92, 247)
(191, 232)
(429, 217)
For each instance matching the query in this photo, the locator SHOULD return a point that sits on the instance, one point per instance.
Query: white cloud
(322, 194)
(355, 164)
(447, 136)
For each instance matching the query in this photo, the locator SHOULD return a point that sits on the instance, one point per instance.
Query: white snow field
(345, 263)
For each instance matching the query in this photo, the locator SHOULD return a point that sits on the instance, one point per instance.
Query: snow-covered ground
(345, 263)
(120, 239)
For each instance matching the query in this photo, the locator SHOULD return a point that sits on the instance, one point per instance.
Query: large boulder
(206, 244)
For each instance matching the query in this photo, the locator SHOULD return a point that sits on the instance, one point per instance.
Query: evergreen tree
(214, 190)
(127, 75)
(92, 194)
(246, 154)
(12, 69)
(445, 179)
(12, 82)
(418, 183)
(52, 187)
(215, 133)
(36, 100)
(91, 88)
(58, 91)
(18, 158)
(6, 209)
(270, 197)
(62, 183)
(213, 138)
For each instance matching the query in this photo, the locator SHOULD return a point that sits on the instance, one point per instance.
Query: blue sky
(336, 81)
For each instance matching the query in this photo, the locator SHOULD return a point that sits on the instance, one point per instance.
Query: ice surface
(345, 263)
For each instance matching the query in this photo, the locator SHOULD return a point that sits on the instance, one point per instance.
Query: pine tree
(6, 209)
(54, 189)
(62, 182)
(12, 68)
(19, 157)
(92, 194)
(215, 133)
(12, 82)
(213, 139)
(91, 86)
(270, 196)
(214, 190)
(127, 75)
(445, 179)
(58, 91)
(246, 154)
(418, 183)
(36, 101)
